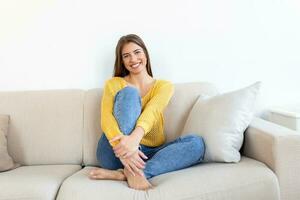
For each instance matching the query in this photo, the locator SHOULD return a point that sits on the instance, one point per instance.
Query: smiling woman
(132, 120)
(131, 50)
(134, 60)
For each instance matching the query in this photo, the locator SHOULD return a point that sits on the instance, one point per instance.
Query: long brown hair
(120, 69)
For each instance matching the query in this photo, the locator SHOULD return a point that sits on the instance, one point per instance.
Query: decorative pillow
(221, 121)
(6, 162)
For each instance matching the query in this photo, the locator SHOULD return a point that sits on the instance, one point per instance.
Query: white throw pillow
(221, 120)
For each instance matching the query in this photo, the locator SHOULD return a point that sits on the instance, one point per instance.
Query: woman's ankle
(137, 182)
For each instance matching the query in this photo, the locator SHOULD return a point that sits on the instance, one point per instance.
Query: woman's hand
(128, 144)
(126, 147)
(135, 163)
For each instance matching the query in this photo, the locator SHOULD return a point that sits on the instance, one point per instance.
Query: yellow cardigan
(151, 118)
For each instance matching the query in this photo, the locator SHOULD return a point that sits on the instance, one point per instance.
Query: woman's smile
(136, 65)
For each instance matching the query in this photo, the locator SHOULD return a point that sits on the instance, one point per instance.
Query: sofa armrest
(279, 148)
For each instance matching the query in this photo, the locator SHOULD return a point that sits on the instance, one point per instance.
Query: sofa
(53, 134)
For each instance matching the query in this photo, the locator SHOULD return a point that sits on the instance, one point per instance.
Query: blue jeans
(181, 153)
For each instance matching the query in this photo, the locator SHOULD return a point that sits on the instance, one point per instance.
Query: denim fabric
(181, 153)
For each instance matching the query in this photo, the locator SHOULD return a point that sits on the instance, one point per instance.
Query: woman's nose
(133, 58)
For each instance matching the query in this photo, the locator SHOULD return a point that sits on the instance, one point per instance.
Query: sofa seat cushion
(247, 180)
(34, 182)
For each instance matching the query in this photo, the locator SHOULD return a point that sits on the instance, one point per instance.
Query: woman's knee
(128, 95)
(197, 143)
(127, 108)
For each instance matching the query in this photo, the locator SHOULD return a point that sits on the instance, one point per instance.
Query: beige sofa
(54, 134)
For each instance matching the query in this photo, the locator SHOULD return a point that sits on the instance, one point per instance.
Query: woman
(132, 120)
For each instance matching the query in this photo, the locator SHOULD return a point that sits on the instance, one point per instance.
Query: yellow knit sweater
(151, 118)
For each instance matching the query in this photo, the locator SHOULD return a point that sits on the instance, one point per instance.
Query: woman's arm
(109, 125)
(154, 108)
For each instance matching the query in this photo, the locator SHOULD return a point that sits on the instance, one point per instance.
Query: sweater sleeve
(109, 124)
(154, 108)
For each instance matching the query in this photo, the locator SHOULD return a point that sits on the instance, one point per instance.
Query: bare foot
(137, 182)
(106, 174)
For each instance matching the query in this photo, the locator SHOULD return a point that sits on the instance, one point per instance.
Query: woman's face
(134, 58)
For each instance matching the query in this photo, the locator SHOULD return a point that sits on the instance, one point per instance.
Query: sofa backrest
(175, 114)
(63, 126)
(46, 127)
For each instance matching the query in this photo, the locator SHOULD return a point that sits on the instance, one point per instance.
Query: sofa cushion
(175, 114)
(247, 180)
(221, 120)
(6, 162)
(34, 182)
(46, 127)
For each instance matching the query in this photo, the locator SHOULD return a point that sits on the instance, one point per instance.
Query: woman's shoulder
(163, 85)
(163, 82)
(114, 81)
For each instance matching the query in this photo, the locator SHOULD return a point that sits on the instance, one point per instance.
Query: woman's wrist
(138, 133)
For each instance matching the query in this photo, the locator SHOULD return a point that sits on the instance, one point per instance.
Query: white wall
(51, 44)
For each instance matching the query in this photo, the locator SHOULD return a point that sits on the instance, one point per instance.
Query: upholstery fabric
(279, 148)
(221, 120)
(217, 181)
(46, 127)
(34, 182)
(63, 126)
